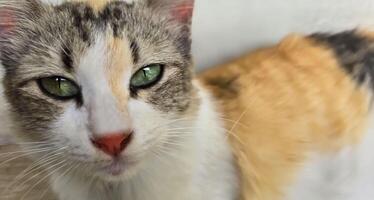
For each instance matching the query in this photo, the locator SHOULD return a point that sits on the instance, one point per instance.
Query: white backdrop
(224, 29)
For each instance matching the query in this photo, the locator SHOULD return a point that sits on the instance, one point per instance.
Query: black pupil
(59, 80)
(145, 73)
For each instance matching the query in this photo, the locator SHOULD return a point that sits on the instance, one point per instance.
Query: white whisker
(62, 164)
(45, 160)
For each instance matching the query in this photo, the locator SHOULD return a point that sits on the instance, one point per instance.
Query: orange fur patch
(120, 61)
(95, 4)
(367, 33)
(281, 104)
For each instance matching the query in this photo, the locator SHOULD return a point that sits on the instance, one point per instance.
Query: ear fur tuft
(7, 19)
(14, 12)
(180, 10)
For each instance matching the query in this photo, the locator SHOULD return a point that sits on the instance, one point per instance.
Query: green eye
(59, 87)
(146, 76)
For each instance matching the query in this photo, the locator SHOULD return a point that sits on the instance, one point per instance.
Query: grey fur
(354, 51)
(50, 40)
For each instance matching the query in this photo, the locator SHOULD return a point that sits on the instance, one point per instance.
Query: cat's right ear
(17, 12)
(180, 11)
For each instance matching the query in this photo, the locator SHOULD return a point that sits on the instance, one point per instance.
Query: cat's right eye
(59, 88)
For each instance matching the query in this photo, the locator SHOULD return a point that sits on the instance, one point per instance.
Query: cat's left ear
(179, 10)
(7, 19)
(15, 13)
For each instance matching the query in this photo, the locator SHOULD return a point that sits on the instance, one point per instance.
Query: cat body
(300, 117)
(102, 95)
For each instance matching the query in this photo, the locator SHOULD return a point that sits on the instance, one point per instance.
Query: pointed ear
(179, 10)
(7, 19)
(14, 13)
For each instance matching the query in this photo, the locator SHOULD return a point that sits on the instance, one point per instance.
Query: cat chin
(117, 176)
(117, 171)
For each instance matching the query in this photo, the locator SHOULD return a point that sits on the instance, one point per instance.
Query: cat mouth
(115, 168)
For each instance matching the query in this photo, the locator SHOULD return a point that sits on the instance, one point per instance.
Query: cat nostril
(113, 144)
(126, 141)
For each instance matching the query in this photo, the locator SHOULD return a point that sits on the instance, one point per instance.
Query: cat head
(102, 83)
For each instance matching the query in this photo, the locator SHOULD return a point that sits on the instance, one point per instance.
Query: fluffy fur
(299, 117)
(179, 148)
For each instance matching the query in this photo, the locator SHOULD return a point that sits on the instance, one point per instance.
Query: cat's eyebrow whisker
(48, 47)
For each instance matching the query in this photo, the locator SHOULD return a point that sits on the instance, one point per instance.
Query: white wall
(224, 29)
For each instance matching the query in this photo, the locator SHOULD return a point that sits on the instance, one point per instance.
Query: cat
(106, 91)
(300, 118)
(102, 95)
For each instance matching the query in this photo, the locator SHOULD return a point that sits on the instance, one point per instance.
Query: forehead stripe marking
(67, 59)
(97, 5)
(120, 61)
(135, 51)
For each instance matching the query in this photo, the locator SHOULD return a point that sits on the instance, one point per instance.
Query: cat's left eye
(147, 76)
(59, 88)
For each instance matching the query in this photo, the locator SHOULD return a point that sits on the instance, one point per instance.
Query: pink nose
(113, 144)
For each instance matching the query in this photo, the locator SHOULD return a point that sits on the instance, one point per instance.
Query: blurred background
(225, 29)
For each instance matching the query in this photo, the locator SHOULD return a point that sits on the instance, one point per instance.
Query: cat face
(102, 84)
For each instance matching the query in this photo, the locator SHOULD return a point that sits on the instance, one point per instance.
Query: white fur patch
(105, 116)
(195, 166)
(347, 175)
